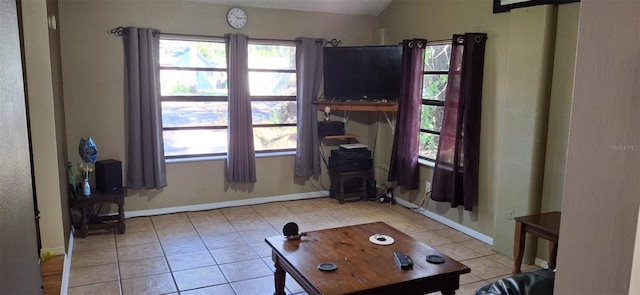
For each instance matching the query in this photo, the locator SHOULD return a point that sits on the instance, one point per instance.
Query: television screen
(364, 72)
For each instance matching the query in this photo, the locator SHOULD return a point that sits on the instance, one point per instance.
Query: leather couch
(539, 282)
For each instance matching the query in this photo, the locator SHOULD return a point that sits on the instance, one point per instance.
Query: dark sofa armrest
(538, 282)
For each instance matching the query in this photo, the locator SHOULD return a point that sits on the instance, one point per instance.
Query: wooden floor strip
(51, 269)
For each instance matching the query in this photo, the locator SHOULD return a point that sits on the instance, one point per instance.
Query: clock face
(237, 18)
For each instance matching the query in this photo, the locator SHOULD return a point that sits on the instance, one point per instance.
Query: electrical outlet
(427, 186)
(513, 214)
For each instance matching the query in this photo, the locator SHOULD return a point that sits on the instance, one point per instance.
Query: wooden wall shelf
(341, 137)
(360, 106)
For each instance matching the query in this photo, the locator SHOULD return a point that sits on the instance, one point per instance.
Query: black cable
(324, 159)
(93, 213)
(375, 139)
(321, 185)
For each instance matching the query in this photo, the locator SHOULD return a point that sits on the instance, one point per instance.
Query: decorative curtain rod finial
(118, 31)
(334, 42)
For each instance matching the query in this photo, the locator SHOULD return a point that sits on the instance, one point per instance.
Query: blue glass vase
(86, 187)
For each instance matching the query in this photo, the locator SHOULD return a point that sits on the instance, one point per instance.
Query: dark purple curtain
(455, 176)
(404, 168)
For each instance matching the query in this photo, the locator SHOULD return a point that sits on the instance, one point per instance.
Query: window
(272, 79)
(436, 68)
(193, 82)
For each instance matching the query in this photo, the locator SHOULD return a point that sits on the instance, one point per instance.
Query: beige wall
(440, 19)
(94, 94)
(42, 125)
(94, 90)
(600, 206)
(559, 113)
(523, 38)
(560, 106)
(523, 132)
(58, 110)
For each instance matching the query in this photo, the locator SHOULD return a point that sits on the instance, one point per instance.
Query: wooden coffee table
(362, 267)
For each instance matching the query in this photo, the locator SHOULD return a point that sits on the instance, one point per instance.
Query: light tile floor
(223, 251)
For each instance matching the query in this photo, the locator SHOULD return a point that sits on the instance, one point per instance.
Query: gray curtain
(308, 77)
(241, 156)
(145, 159)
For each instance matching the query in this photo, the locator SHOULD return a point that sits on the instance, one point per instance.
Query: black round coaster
(435, 259)
(327, 266)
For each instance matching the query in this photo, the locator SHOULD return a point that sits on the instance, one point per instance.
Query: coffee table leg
(279, 276)
(518, 247)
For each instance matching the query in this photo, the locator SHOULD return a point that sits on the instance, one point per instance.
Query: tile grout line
(118, 264)
(358, 212)
(164, 255)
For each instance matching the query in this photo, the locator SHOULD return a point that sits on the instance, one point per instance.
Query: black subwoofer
(109, 176)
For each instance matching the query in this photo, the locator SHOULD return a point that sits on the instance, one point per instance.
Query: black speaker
(109, 176)
(329, 128)
(350, 165)
(352, 154)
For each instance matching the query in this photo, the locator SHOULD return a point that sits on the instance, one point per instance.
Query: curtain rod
(121, 31)
(444, 41)
(439, 41)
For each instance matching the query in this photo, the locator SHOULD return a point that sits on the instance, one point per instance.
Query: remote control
(403, 260)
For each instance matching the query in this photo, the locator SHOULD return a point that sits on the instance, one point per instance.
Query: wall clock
(236, 18)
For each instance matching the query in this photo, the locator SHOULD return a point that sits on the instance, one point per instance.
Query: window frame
(431, 102)
(193, 98)
(225, 99)
(292, 98)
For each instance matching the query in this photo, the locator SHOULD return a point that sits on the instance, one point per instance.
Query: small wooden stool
(544, 225)
(349, 186)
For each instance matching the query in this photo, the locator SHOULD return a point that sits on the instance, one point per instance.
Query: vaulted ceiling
(356, 7)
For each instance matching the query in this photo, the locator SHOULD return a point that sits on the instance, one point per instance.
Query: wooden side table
(83, 203)
(543, 225)
(349, 186)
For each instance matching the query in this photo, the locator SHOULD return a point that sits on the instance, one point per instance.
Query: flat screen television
(362, 72)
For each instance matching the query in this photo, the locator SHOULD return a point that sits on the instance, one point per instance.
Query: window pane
(436, 57)
(428, 145)
(194, 113)
(187, 83)
(274, 138)
(272, 84)
(274, 112)
(272, 57)
(434, 87)
(431, 117)
(192, 54)
(195, 142)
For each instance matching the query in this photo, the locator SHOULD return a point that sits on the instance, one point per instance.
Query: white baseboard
(471, 232)
(541, 263)
(448, 222)
(210, 206)
(64, 287)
